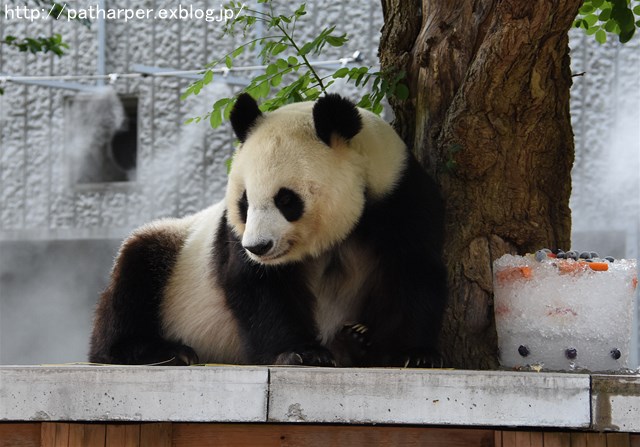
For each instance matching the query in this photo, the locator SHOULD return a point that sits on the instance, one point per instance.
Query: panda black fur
(329, 227)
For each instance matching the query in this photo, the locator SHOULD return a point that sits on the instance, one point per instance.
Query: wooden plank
(578, 440)
(520, 439)
(497, 438)
(123, 435)
(156, 435)
(556, 439)
(48, 434)
(133, 393)
(392, 396)
(277, 435)
(509, 439)
(55, 434)
(615, 400)
(634, 440)
(19, 435)
(537, 439)
(87, 435)
(523, 439)
(596, 440)
(618, 440)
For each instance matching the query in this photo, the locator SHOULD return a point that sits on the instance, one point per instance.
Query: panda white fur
(326, 250)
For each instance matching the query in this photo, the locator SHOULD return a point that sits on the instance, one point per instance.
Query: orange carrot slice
(566, 267)
(514, 273)
(598, 266)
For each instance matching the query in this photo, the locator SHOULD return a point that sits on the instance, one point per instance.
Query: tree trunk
(488, 117)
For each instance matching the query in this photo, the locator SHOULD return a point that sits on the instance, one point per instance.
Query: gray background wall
(58, 237)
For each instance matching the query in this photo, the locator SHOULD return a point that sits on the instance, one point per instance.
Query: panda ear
(334, 114)
(244, 115)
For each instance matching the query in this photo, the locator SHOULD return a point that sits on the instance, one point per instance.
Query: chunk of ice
(562, 314)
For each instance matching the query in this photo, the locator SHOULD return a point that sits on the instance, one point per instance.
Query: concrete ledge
(616, 403)
(389, 396)
(133, 393)
(319, 395)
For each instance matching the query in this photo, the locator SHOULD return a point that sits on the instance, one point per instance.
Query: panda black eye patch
(243, 206)
(289, 203)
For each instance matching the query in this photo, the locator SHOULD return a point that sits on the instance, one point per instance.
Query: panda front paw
(357, 335)
(421, 358)
(154, 352)
(183, 355)
(308, 356)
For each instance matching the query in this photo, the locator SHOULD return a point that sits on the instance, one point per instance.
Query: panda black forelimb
(274, 306)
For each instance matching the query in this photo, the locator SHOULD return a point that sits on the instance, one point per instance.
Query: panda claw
(359, 332)
(314, 356)
(185, 356)
(427, 359)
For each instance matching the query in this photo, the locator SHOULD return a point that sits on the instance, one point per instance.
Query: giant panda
(326, 250)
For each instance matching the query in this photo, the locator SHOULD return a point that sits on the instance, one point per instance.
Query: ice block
(564, 314)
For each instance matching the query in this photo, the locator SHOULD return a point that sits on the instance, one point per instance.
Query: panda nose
(260, 249)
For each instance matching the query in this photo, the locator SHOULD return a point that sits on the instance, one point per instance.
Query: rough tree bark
(488, 117)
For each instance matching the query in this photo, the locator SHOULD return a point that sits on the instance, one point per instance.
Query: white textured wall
(180, 168)
(605, 102)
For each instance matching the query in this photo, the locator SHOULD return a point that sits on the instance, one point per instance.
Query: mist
(49, 287)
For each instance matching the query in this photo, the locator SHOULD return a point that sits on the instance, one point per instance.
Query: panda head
(297, 185)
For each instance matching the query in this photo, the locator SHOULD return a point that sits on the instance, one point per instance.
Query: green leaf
(402, 92)
(264, 88)
(208, 77)
(276, 80)
(228, 62)
(636, 10)
(605, 15)
(271, 69)
(341, 73)
(601, 36)
(597, 3)
(377, 108)
(292, 60)
(625, 36)
(300, 11)
(306, 48)
(279, 48)
(215, 119)
(336, 41)
(220, 103)
(591, 19)
(610, 26)
(227, 109)
(591, 31)
(586, 9)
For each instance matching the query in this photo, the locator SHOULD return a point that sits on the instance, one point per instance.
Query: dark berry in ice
(571, 353)
(523, 351)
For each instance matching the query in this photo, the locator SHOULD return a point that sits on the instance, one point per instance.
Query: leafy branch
(53, 44)
(599, 17)
(289, 76)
